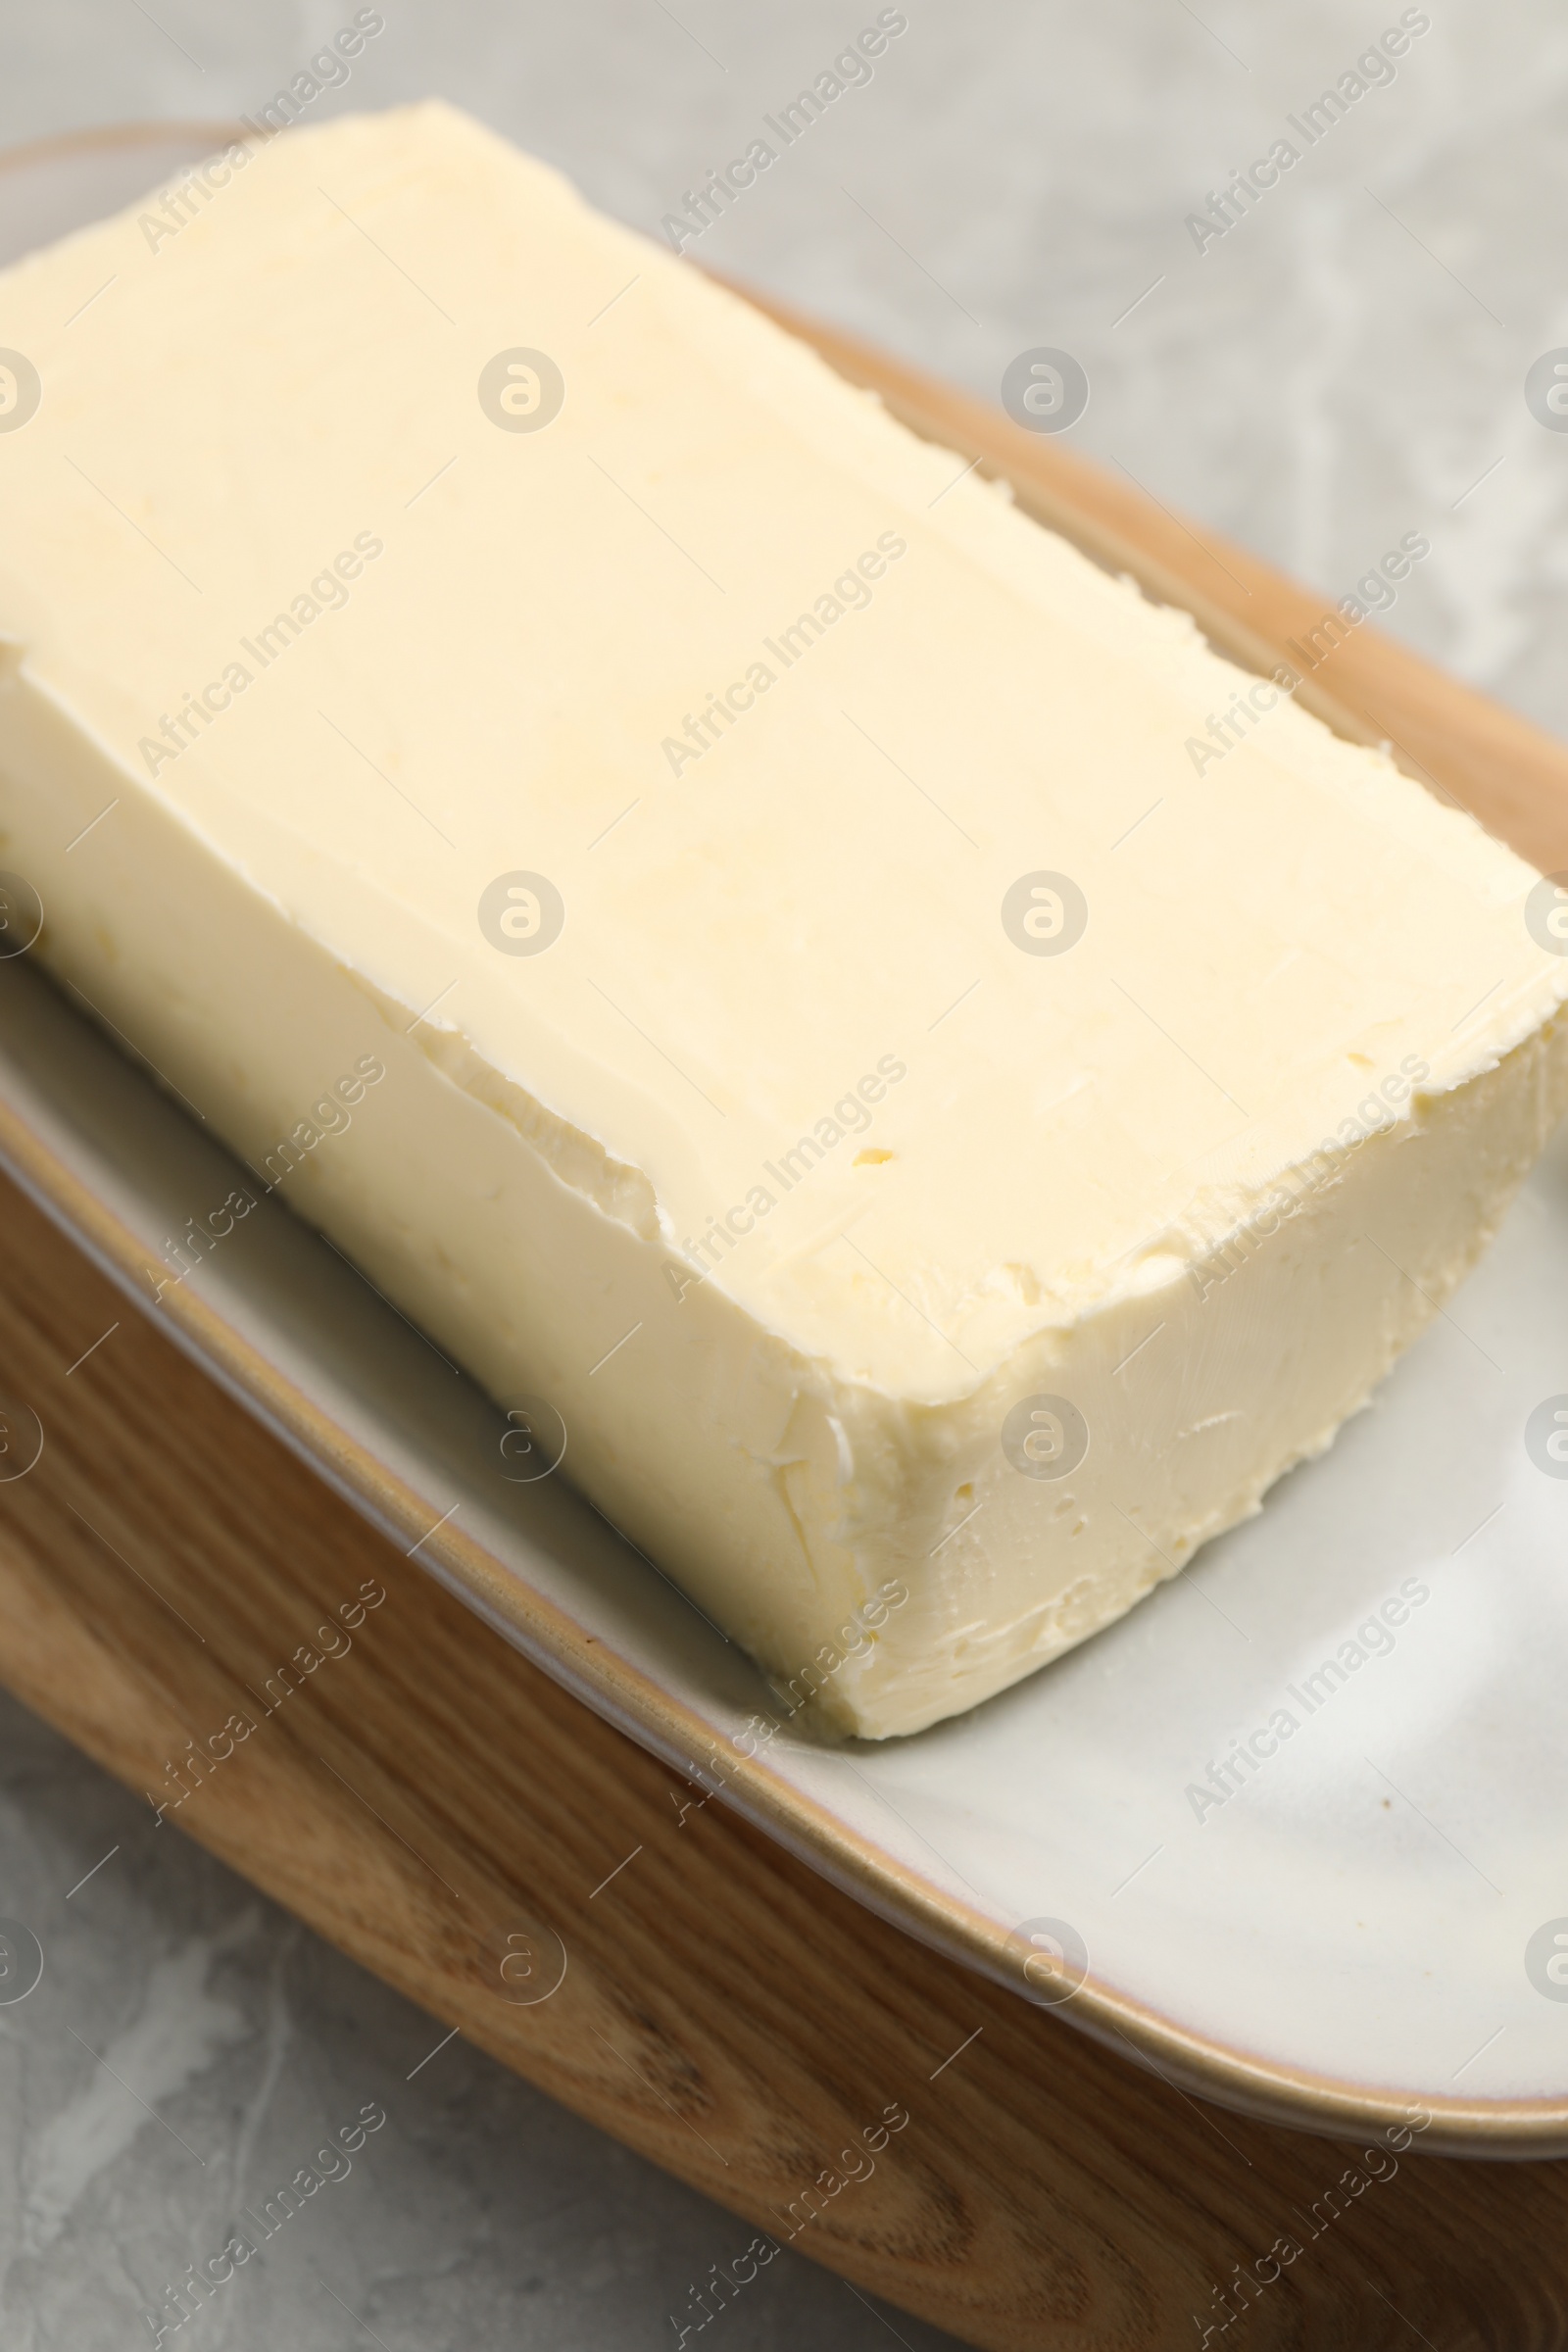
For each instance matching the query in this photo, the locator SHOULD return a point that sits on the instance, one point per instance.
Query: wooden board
(430, 1801)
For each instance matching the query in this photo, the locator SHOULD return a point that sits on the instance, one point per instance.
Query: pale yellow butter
(835, 1049)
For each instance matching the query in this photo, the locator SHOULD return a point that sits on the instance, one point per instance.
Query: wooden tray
(444, 1813)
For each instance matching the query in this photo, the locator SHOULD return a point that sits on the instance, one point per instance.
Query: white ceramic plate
(1362, 1926)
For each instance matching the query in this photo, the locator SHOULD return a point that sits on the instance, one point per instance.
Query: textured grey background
(1344, 367)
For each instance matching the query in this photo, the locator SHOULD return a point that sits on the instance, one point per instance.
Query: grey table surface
(1345, 365)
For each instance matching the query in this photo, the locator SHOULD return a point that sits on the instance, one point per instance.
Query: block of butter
(719, 916)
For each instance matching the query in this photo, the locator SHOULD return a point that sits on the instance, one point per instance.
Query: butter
(714, 912)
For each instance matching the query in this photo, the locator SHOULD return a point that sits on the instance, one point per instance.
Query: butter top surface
(750, 929)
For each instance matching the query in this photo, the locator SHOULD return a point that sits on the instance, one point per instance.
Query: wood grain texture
(723, 2010)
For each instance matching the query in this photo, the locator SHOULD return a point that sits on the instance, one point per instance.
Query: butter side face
(918, 1290)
